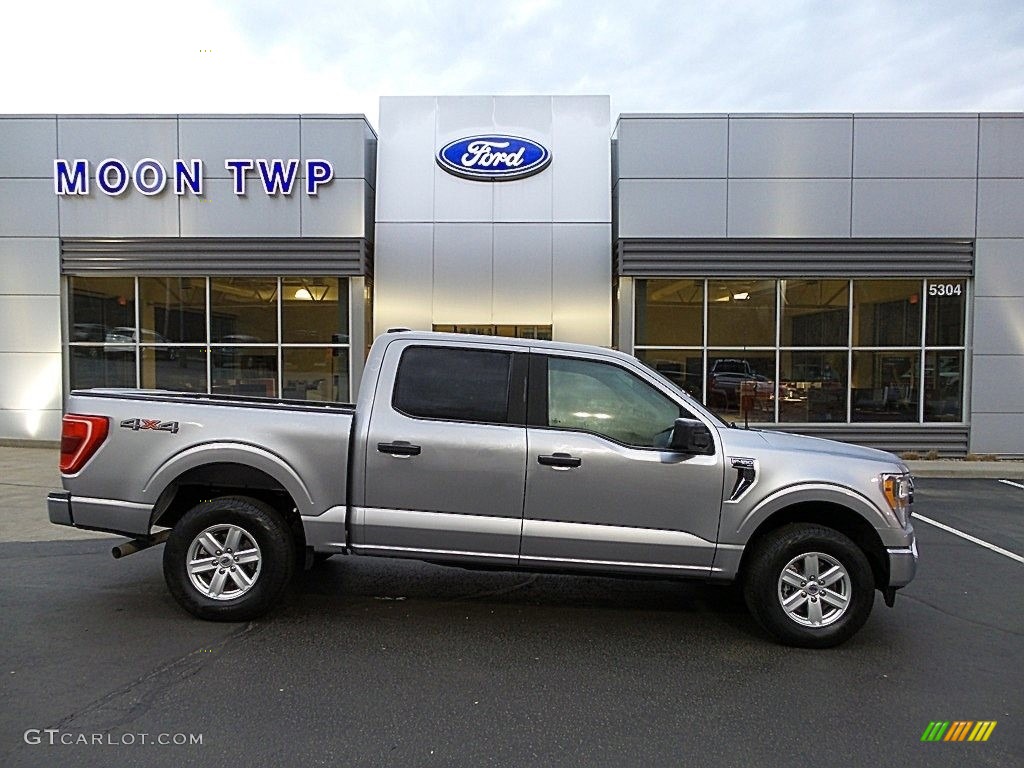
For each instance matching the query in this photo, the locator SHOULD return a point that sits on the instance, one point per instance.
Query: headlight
(899, 492)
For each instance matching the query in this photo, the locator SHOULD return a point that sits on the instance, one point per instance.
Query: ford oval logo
(493, 158)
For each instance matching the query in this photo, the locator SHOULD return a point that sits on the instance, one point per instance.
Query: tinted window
(610, 401)
(459, 384)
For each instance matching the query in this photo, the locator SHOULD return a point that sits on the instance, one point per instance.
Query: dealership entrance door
(542, 332)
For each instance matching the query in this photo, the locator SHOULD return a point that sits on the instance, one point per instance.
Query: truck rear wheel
(229, 559)
(809, 586)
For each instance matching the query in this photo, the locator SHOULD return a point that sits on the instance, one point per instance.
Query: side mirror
(691, 436)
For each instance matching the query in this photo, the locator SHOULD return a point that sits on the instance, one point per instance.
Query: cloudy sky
(659, 56)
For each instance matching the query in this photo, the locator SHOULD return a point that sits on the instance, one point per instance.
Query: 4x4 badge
(154, 424)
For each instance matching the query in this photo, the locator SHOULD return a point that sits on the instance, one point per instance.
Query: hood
(785, 441)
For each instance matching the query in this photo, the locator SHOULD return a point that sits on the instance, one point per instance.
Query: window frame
(515, 401)
(537, 400)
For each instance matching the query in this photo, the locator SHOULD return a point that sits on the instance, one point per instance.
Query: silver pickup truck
(493, 453)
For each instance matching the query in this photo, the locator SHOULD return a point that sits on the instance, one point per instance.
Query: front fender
(231, 453)
(737, 528)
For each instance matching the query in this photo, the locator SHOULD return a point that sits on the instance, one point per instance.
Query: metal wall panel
(463, 200)
(31, 265)
(1001, 433)
(789, 147)
(30, 381)
(672, 208)
(29, 208)
(463, 273)
(1001, 207)
(996, 387)
(30, 425)
(789, 208)
(580, 164)
(581, 283)
(341, 213)
(342, 141)
(210, 256)
(522, 274)
(997, 326)
(526, 200)
(222, 213)
(403, 282)
(30, 323)
(999, 268)
(1001, 150)
(694, 148)
(28, 147)
(913, 207)
(131, 214)
(915, 147)
(779, 257)
(129, 139)
(214, 140)
(405, 163)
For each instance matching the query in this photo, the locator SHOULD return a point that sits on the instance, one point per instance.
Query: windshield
(687, 397)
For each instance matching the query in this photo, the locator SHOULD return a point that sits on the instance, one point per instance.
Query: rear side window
(455, 384)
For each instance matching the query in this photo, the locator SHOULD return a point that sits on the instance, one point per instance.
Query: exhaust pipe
(137, 545)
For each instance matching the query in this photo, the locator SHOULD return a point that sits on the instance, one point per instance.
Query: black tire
(263, 526)
(763, 590)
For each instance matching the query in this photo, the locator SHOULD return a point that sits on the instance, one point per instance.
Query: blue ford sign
(493, 158)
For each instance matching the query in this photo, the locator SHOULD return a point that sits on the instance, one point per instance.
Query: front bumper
(902, 564)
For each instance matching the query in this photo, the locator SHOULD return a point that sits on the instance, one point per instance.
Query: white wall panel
(405, 162)
(913, 207)
(30, 324)
(222, 213)
(582, 283)
(403, 276)
(30, 381)
(522, 274)
(789, 208)
(30, 265)
(214, 140)
(463, 273)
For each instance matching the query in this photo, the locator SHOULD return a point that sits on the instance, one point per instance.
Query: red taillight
(80, 436)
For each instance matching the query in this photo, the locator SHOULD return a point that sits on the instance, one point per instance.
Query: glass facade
(261, 336)
(809, 350)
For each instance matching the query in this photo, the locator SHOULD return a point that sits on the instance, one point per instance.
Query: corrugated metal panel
(214, 256)
(950, 440)
(794, 258)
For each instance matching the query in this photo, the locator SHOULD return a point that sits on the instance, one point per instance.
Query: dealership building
(853, 276)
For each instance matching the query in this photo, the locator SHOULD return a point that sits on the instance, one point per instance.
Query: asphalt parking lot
(377, 662)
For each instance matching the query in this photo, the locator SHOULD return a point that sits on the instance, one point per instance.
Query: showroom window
(809, 350)
(261, 336)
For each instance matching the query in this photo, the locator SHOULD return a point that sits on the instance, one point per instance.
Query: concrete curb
(968, 470)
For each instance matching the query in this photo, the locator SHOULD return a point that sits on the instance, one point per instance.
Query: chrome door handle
(399, 448)
(560, 461)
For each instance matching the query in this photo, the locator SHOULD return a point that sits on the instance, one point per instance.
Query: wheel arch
(829, 514)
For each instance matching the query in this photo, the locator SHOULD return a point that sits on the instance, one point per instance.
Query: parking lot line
(970, 538)
(1010, 482)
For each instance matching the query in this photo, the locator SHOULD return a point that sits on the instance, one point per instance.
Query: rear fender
(231, 453)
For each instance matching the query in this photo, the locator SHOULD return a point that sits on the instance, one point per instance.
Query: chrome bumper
(111, 515)
(902, 564)
(58, 505)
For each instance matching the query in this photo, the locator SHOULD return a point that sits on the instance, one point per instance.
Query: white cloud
(323, 56)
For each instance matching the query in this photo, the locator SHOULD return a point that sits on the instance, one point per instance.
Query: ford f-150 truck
(493, 453)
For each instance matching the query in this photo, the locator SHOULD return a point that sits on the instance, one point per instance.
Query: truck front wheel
(229, 559)
(809, 586)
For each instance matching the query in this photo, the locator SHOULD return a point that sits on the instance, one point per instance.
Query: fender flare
(230, 453)
(808, 493)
